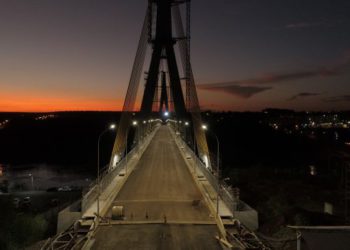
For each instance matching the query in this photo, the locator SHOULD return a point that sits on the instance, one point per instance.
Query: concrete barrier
(237, 209)
(112, 182)
(68, 216)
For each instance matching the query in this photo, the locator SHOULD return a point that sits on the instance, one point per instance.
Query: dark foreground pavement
(157, 237)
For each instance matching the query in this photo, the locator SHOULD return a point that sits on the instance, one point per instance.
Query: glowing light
(134, 123)
(166, 113)
(206, 161)
(48, 102)
(115, 160)
(186, 124)
(112, 126)
(313, 170)
(204, 127)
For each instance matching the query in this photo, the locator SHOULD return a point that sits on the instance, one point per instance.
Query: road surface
(162, 196)
(162, 186)
(154, 237)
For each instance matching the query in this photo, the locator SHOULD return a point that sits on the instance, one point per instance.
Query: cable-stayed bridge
(162, 190)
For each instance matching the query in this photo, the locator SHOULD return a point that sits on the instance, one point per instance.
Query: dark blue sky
(246, 54)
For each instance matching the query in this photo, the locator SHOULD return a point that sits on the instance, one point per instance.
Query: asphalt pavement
(157, 237)
(162, 186)
(162, 204)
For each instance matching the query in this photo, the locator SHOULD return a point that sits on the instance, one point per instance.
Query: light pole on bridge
(205, 128)
(32, 180)
(137, 131)
(111, 127)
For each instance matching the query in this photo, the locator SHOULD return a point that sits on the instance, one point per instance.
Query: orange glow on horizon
(46, 102)
(42, 103)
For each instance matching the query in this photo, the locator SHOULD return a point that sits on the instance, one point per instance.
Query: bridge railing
(239, 209)
(225, 191)
(107, 176)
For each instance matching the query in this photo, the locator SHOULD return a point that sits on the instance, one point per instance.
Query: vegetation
(19, 230)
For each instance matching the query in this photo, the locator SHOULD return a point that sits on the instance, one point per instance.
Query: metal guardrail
(108, 176)
(225, 190)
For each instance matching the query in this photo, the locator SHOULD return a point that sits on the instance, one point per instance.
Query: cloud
(247, 88)
(276, 78)
(340, 98)
(232, 89)
(303, 95)
(273, 78)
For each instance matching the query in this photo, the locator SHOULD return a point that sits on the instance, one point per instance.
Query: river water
(43, 177)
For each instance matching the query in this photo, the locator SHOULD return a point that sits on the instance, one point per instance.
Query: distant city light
(45, 117)
(134, 123)
(313, 171)
(3, 124)
(186, 123)
(204, 127)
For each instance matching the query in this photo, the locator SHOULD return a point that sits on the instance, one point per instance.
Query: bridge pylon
(164, 100)
(162, 17)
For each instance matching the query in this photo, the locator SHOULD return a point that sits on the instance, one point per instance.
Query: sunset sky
(246, 54)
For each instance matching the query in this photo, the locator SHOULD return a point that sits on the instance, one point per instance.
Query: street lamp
(135, 124)
(143, 129)
(205, 128)
(185, 132)
(111, 127)
(32, 180)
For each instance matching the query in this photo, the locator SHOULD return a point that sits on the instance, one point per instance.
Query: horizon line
(204, 110)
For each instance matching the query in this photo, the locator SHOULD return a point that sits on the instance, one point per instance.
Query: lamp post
(135, 124)
(185, 132)
(32, 180)
(111, 127)
(180, 127)
(205, 128)
(126, 153)
(144, 128)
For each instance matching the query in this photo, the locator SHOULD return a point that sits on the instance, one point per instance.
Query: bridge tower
(164, 101)
(162, 17)
(163, 48)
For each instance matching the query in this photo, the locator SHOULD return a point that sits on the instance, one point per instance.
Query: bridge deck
(160, 189)
(154, 237)
(161, 185)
